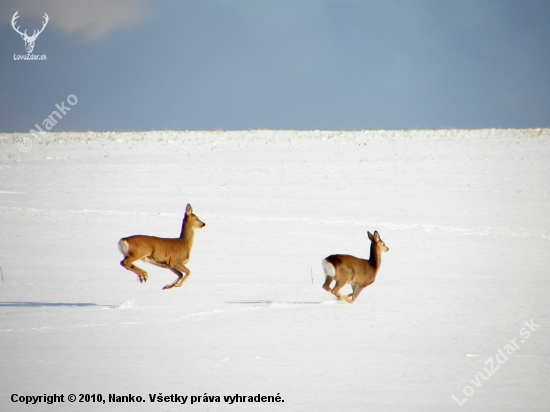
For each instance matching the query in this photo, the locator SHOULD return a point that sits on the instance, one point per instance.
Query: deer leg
(336, 291)
(180, 267)
(165, 266)
(343, 276)
(356, 291)
(175, 282)
(327, 283)
(128, 263)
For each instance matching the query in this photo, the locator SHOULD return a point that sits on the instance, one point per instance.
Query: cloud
(91, 19)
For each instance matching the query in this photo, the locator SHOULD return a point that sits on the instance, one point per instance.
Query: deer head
(29, 40)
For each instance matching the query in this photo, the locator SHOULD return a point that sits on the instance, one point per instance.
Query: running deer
(171, 254)
(359, 273)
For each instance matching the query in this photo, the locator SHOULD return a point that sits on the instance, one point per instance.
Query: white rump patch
(329, 268)
(123, 247)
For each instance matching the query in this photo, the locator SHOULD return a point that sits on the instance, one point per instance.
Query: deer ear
(376, 236)
(188, 209)
(370, 235)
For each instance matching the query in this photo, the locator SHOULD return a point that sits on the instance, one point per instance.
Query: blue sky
(250, 64)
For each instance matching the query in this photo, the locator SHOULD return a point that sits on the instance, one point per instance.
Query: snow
(465, 214)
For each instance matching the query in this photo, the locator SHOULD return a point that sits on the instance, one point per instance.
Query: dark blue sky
(340, 64)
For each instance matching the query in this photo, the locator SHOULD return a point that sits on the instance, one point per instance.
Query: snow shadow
(272, 302)
(52, 304)
(250, 302)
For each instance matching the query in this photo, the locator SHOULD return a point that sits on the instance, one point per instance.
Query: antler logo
(29, 40)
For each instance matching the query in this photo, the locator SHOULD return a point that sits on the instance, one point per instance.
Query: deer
(359, 273)
(168, 253)
(29, 40)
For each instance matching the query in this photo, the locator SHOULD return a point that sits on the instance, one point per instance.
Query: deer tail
(123, 247)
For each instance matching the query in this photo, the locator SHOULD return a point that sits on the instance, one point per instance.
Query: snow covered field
(466, 215)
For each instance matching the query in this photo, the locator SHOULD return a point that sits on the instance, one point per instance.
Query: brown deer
(171, 254)
(359, 273)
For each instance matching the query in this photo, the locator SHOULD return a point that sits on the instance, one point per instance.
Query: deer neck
(187, 232)
(375, 256)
